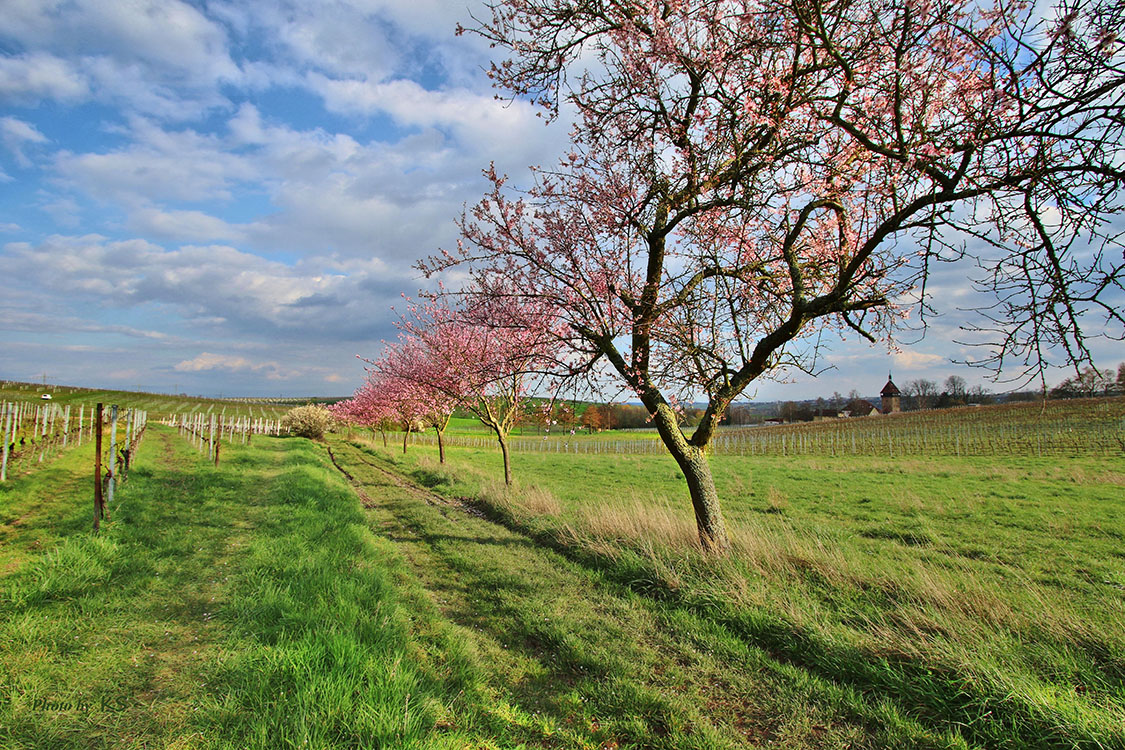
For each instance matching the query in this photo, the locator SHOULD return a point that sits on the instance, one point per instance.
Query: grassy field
(979, 598)
(278, 601)
(247, 606)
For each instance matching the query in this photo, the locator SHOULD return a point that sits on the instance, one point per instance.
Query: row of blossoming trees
(480, 356)
(747, 178)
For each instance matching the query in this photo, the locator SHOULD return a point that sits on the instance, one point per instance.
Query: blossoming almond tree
(748, 176)
(369, 406)
(481, 356)
(408, 372)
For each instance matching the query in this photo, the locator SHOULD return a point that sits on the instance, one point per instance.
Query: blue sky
(228, 197)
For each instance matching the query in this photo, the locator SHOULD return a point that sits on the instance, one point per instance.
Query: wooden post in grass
(127, 445)
(7, 441)
(99, 503)
(40, 427)
(111, 474)
(217, 446)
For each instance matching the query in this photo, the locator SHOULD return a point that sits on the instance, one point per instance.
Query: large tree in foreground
(747, 176)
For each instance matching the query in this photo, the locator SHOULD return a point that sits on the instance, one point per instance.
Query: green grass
(922, 603)
(978, 598)
(1064, 428)
(576, 659)
(239, 607)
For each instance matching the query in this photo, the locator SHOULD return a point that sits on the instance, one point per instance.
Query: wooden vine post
(99, 502)
(8, 425)
(111, 475)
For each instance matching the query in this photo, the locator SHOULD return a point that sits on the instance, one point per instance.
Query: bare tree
(922, 393)
(956, 388)
(1088, 383)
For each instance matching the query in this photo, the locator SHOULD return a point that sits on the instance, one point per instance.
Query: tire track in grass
(595, 662)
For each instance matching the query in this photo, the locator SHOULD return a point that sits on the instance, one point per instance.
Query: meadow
(245, 606)
(344, 594)
(979, 596)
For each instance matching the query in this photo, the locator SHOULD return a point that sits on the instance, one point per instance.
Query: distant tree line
(598, 417)
(917, 395)
(1091, 382)
(923, 394)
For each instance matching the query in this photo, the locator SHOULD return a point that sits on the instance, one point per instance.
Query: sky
(227, 197)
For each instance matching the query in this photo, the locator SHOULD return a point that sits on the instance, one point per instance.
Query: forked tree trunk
(701, 484)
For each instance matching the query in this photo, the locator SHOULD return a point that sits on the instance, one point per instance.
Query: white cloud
(159, 165)
(31, 77)
(274, 370)
(177, 225)
(163, 57)
(345, 37)
(478, 119)
(15, 134)
(276, 236)
(209, 361)
(215, 288)
(169, 34)
(911, 360)
(14, 319)
(329, 192)
(15, 131)
(64, 210)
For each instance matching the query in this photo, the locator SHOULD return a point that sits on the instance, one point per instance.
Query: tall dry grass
(915, 608)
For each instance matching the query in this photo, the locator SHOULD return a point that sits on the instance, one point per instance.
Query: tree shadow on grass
(936, 695)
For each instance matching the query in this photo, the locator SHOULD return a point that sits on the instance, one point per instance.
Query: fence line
(34, 432)
(208, 430)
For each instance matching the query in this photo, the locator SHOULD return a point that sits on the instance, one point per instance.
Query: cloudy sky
(227, 196)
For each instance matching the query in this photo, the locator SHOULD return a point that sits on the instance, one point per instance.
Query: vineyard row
(874, 438)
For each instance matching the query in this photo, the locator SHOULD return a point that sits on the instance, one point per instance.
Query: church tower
(891, 397)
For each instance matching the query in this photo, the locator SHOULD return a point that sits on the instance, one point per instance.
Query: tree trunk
(405, 437)
(701, 484)
(441, 446)
(507, 458)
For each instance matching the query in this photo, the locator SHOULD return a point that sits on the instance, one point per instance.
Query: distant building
(891, 397)
(860, 408)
